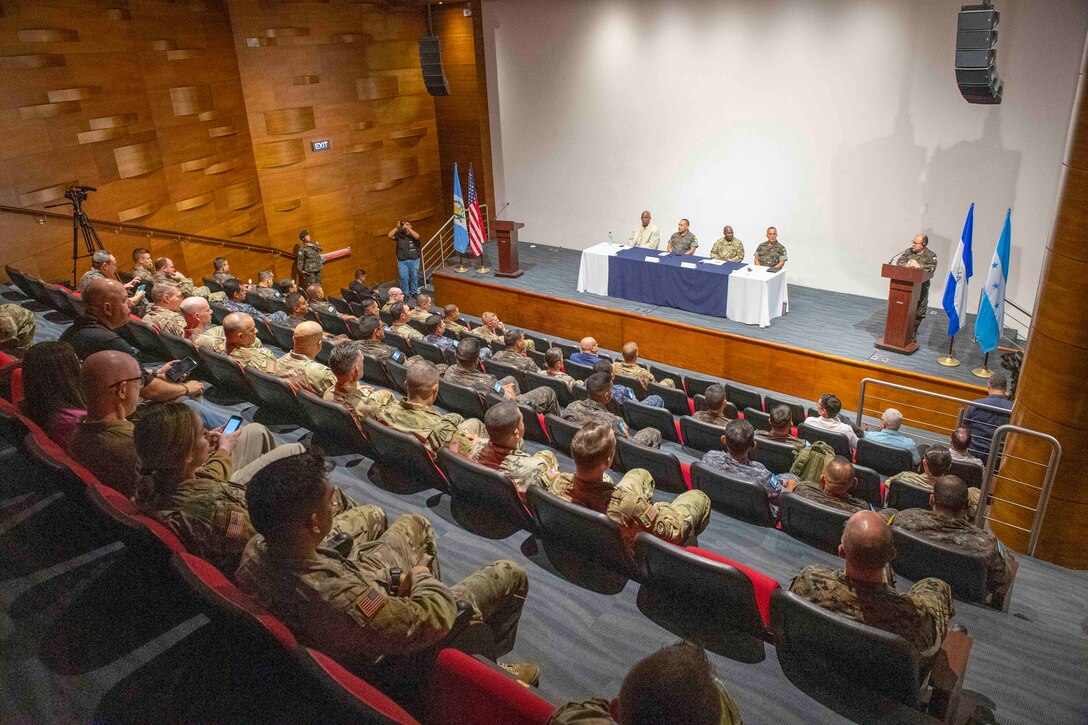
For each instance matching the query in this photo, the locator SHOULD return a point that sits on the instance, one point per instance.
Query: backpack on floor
(809, 462)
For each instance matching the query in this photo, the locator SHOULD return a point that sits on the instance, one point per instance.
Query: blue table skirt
(704, 290)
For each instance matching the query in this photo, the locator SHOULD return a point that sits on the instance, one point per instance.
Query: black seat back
(374, 372)
(484, 487)
(567, 348)
(578, 371)
(277, 397)
(903, 495)
(259, 301)
(676, 400)
(561, 432)
(58, 300)
(969, 473)
(730, 411)
(775, 455)
(758, 419)
(398, 374)
(212, 284)
(147, 339)
(797, 411)
(226, 371)
(740, 499)
(283, 335)
(332, 324)
(578, 529)
(917, 557)
(335, 430)
(404, 454)
(542, 380)
(640, 415)
(743, 397)
(838, 441)
(460, 399)
(179, 348)
(884, 459)
(699, 435)
(430, 352)
(219, 313)
(812, 522)
(661, 373)
(662, 465)
(399, 341)
(868, 485)
(696, 385)
(812, 639)
(350, 295)
(501, 370)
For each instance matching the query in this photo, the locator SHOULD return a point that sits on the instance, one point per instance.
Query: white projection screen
(837, 121)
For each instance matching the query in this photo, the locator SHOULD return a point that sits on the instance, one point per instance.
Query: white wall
(838, 121)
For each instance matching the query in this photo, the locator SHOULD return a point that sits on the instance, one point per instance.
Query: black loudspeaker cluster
(430, 60)
(976, 56)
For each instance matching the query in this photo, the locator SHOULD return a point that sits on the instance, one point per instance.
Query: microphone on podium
(499, 213)
(897, 255)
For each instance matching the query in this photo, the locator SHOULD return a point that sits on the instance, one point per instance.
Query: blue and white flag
(991, 305)
(460, 226)
(959, 274)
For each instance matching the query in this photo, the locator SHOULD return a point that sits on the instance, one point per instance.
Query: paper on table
(718, 262)
(663, 254)
(689, 265)
(655, 260)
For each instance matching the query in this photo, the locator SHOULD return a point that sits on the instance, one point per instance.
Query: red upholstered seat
(685, 468)
(463, 689)
(761, 583)
(17, 394)
(366, 694)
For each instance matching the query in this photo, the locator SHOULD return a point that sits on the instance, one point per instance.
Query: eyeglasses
(145, 378)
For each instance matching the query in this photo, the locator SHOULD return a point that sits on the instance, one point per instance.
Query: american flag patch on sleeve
(371, 602)
(236, 525)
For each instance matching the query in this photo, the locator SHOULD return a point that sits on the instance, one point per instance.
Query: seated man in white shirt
(829, 408)
(645, 234)
(889, 435)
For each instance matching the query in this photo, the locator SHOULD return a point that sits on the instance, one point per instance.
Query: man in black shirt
(361, 288)
(407, 240)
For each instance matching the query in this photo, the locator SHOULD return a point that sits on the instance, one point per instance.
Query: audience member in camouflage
(630, 367)
(492, 329)
(599, 390)
(352, 605)
(362, 401)
(467, 372)
(682, 241)
(17, 328)
(834, 489)
(630, 503)
(514, 354)
(241, 332)
(165, 313)
(265, 286)
(299, 368)
(165, 272)
(371, 334)
(553, 359)
(728, 248)
(143, 269)
(936, 462)
(198, 327)
(947, 524)
(222, 274)
(416, 414)
(770, 253)
(502, 450)
(451, 315)
(401, 315)
(781, 428)
(920, 255)
(423, 308)
(396, 294)
(715, 407)
(860, 592)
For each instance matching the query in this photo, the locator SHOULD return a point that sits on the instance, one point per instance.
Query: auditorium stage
(832, 323)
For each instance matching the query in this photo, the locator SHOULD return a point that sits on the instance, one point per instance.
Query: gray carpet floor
(1028, 665)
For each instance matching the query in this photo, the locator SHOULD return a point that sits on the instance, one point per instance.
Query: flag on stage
(991, 305)
(460, 229)
(475, 220)
(955, 289)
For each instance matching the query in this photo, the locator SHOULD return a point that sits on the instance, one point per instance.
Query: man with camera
(407, 240)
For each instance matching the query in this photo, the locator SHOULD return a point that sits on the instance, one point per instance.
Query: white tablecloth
(593, 272)
(756, 297)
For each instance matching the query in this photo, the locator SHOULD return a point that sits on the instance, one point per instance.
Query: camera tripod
(81, 226)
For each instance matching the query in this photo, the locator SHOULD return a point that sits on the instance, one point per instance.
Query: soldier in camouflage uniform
(396, 294)
(683, 241)
(467, 372)
(947, 524)
(502, 450)
(400, 314)
(362, 401)
(240, 332)
(630, 367)
(221, 273)
(599, 390)
(728, 248)
(165, 314)
(371, 334)
(423, 308)
(310, 261)
(451, 314)
(630, 503)
(834, 489)
(860, 592)
(553, 359)
(492, 329)
(17, 328)
(266, 284)
(781, 427)
(936, 462)
(920, 255)
(514, 354)
(299, 368)
(165, 272)
(352, 605)
(416, 414)
(715, 407)
(770, 253)
(143, 269)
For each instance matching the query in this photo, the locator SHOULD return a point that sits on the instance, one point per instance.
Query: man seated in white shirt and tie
(645, 234)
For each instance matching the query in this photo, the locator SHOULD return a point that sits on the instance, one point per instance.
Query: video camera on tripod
(76, 195)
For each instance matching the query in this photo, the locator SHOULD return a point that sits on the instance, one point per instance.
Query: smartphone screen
(180, 369)
(497, 387)
(233, 424)
(398, 356)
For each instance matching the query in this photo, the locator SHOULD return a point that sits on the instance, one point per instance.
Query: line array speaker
(430, 60)
(976, 56)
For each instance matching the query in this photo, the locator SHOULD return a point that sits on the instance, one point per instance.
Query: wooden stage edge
(792, 371)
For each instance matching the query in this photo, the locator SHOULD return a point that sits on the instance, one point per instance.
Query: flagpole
(984, 371)
(483, 268)
(462, 268)
(948, 361)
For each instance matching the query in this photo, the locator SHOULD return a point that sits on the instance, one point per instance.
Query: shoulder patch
(370, 602)
(235, 525)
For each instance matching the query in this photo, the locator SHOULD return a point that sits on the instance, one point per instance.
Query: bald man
(396, 294)
(587, 352)
(860, 592)
(240, 332)
(833, 490)
(299, 368)
(645, 234)
(423, 308)
(165, 313)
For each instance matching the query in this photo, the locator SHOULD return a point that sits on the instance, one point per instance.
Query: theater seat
(577, 371)
(466, 689)
(335, 430)
(758, 419)
(884, 459)
(969, 473)
(743, 500)
(502, 370)
(812, 522)
(694, 385)
(743, 397)
(404, 456)
(179, 348)
(430, 352)
(484, 487)
(283, 335)
(917, 558)
(640, 415)
(540, 380)
(374, 372)
(561, 432)
(460, 399)
(797, 411)
(903, 495)
(579, 530)
(701, 436)
(277, 398)
(147, 340)
(775, 455)
(676, 400)
(868, 486)
(227, 373)
(365, 702)
(838, 441)
(662, 465)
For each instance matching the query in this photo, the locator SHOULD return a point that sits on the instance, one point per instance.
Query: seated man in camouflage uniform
(143, 268)
(165, 313)
(416, 413)
(770, 253)
(728, 248)
(299, 368)
(834, 488)
(371, 334)
(221, 270)
(735, 461)
(17, 328)
(492, 329)
(553, 359)
(315, 295)
(401, 314)
(298, 307)
(236, 302)
(362, 401)
(622, 394)
(396, 294)
(514, 354)
(502, 450)
(165, 272)
(630, 503)
(198, 327)
(860, 592)
(599, 390)
(683, 241)
(631, 368)
(715, 407)
(676, 684)
(467, 372)
(947, 524)
(265, 286)
(451, 315)
(384, 597)
(370, 308)
(423, 308)
(936, 462)
(781, 428)
(240, 333)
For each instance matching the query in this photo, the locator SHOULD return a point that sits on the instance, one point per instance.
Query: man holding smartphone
(408, 251)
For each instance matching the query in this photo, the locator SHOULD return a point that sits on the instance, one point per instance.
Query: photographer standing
(310, 260)
(407, 240)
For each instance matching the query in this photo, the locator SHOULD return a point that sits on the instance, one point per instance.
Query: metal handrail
(907, 388)
(1044, 492)
(439, 240)
(180, 236)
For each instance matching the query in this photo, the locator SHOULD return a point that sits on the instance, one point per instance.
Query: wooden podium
(903, 291)
(506, 237)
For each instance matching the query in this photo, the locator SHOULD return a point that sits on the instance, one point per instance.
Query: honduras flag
(955, 289)
(460, 227)
(991, 308)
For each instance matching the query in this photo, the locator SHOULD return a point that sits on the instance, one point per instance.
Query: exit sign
(320, 145)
